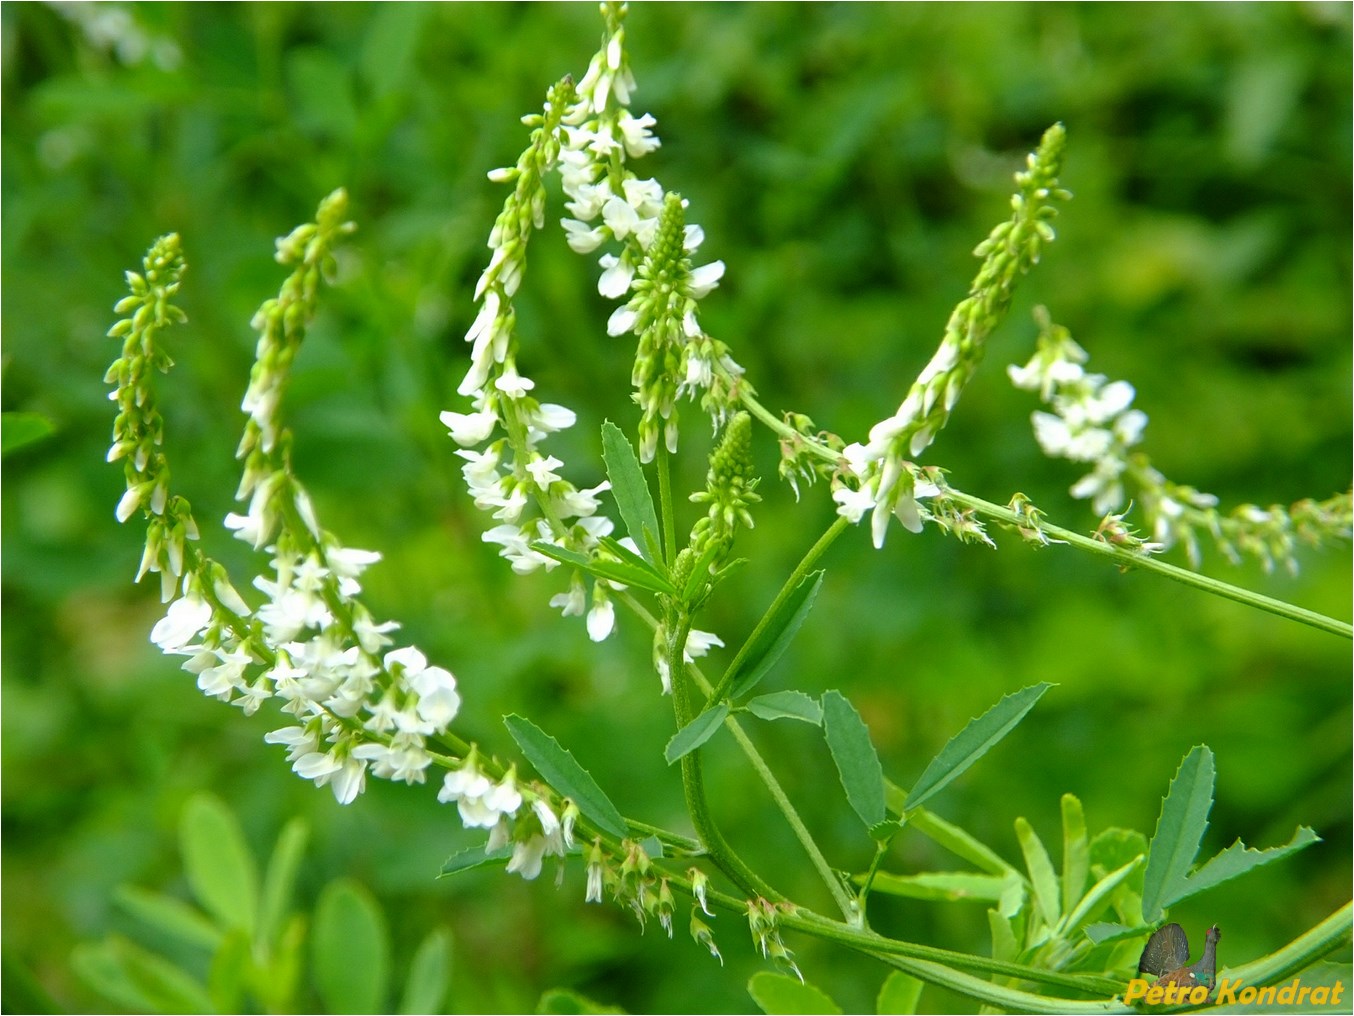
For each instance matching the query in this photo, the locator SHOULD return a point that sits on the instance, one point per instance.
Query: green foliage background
(843, 160)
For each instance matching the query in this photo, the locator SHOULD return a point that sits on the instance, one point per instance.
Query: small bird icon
(1167, 952)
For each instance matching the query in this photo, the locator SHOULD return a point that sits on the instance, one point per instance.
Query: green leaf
(1180, 828)
(781, 995)
(173, 917)
(474, 857)
(975, 741)
(772, 637)
(230, 971)
(629, 557)
(958, 841)
(1114, 847)
(786, 705)
(629, 487)
(559, 769)
(1236, 860)
(1097, 897)
(1004, 945)
(565, 1002)
(899, 995)
(1103, 932)
(350, 949)
(941, 885)
(20, 429)
(696, 733)
(429, 974)
(700, 572)
(217, 863)
(857, 763)
(614, 571)
(1076, 850)
(138, 978)
(279, 880)
(1042, 878)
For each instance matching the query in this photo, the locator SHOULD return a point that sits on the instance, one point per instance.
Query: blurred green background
(843, 160)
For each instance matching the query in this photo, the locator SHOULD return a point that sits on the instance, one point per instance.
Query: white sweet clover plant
(359, 704)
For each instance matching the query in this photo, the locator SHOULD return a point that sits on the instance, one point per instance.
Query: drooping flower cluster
(1092, 422)
(1092, 419)
(586, 134)
(609, 202)
(312, 644)
(876, 476)
(510, 476)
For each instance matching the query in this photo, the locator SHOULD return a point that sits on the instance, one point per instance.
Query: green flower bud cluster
(661, 302)
(730, 488)
(138, 429)
(281, 322)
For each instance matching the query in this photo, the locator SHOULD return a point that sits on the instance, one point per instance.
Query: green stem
(1134, 559)
(851, 910)
(847, 905)
(880, 947)
(693, 776)
(1302, 952)
(786, 591)
(669, 514)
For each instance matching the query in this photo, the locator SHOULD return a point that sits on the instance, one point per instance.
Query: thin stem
(850, 909)
(693, 777)
(669, 514)
(1134, 559)
(1302, 952)
(841, 897)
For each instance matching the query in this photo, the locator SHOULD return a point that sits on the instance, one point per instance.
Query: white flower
(543, 471)
(575, 601)
(635, 133)
(527, 856)
(593, 893)
(622, 319)
(616, 276)
(480, 801)
(582, 238)
(469, 428)
(438, 700)
(601, 619)
(512, 384)
(698, 643)
(852, 504)
(620, 217)
(703, 279)
(184, 620)
(550, 417)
